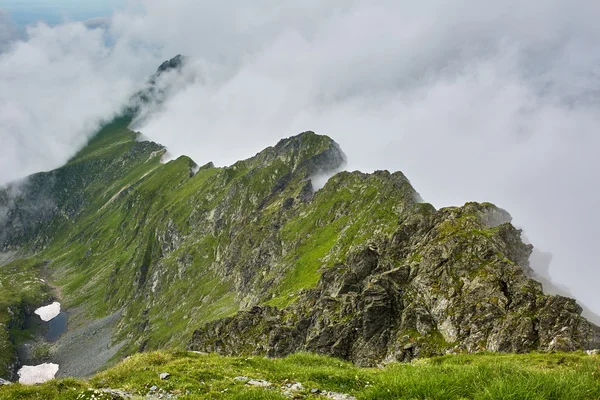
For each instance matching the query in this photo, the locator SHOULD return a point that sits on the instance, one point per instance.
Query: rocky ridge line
(452, 280)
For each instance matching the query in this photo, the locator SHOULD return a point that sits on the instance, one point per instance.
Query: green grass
(536, 376)
(21, 291)
(110, 135)
(351, 210)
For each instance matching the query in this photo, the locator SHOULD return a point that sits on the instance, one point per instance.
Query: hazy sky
(57, 11)
(471, 100)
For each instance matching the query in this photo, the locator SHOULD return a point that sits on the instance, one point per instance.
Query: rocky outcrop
(451, 280)
(175, 63)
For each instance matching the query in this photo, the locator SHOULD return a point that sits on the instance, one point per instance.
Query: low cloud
(58, 85)
(471, 100)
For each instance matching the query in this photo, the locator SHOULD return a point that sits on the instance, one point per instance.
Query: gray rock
(4, 382)
(164, 375)
(241, 379)
(297, 387)
(153, 388)
(117, 393)
(339, 396)
(258, 383)
(452, 280)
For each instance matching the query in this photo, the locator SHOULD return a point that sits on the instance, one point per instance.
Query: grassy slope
(533, 376)
(110, 256)
(21, 288)
(20, 291)
(352, 208)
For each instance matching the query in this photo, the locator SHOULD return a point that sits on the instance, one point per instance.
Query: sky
(25, 12)
(473, 101)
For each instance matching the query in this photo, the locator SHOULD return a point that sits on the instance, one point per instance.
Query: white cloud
(57, 86)
(471, 100)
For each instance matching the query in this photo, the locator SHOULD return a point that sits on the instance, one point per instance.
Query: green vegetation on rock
(249, 259)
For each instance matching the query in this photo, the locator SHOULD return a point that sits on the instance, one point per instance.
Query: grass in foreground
(482, 376)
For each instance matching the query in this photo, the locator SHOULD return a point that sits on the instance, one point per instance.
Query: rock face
(174, 63)
(456, 279)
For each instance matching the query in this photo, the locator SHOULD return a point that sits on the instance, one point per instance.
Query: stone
(4, 382)
(465, 289)
(117, 393)
(297, 387)
(164, 375)
(258, 383)
(241, 379)
(175, 63)
(339, 396)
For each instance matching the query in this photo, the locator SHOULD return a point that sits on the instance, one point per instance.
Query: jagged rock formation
(174, 63)
(250, 259)
(449, 280)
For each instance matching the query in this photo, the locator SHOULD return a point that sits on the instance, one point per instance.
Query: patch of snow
(47, 313)
(30, 375)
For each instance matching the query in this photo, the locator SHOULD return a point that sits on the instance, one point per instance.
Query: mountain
(250, 259)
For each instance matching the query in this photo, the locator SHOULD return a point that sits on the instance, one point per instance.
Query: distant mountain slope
(248, 259)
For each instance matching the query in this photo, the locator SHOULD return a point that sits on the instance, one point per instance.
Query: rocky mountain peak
(307, 151)
(176, 62)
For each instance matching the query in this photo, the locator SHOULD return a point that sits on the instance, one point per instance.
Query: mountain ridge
(250, 259)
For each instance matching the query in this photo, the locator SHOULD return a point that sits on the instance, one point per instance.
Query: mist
(473, 101)
(59, 84)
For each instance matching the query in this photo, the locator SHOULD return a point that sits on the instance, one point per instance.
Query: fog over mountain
(471, 100)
